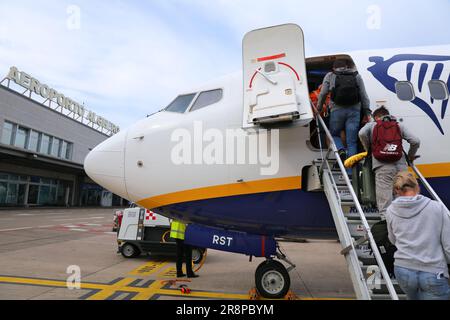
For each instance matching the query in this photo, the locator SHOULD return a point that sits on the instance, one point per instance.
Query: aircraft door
(275, 84)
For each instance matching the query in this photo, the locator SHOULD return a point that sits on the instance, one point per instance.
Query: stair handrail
(424, 181)
(366, 225)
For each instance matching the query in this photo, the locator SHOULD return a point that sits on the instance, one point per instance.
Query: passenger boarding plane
(245, 202)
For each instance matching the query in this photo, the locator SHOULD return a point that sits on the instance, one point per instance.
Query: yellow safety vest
(177, 230)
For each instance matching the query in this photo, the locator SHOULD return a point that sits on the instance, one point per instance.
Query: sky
(127, 59)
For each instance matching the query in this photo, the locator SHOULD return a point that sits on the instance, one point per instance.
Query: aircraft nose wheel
(272, 280)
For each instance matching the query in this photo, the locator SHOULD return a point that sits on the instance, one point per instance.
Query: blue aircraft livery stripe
(437, 72)
(295, 213)
(422, 74)
(409, 69)
(380, 71)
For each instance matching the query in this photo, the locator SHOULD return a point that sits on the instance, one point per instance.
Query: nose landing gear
(272, 278)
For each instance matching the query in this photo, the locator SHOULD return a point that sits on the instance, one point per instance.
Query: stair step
(349, 209)
(379, 287)
(319, 160)
(356, 228)
(364, 255)
(339, 178)
(344, 193)
(384, 290)
(369, 216)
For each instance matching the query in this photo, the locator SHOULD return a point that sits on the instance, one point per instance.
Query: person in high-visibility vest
(177, 231)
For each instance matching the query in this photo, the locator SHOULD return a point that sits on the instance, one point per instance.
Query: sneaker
(343, 155)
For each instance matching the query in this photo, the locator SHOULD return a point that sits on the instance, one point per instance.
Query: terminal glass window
(68, 154)
(25, 138)
(7, 133)
(207, 98)
(44, 195)
(48, 192)
(438, 89)
(19, 190)
(45, 144)
(55, 147)
(12, 189)
(64, 149)
(3, 192)
(181, 103)
(21, 137)
(34, 141)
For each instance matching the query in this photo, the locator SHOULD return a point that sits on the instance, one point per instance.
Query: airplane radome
(238, 159)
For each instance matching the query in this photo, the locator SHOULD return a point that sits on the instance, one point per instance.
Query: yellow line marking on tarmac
(107, 290)
(149, 292)
(104, 294)
(168, 273)
(148, 268)
(142, 293)
(36, 282)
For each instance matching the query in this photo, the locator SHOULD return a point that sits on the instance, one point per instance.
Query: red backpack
(387, 141)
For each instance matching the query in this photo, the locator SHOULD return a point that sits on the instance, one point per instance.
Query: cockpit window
(207, 98)
(181, 103)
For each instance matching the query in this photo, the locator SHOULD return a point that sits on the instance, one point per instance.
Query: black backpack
(346, 91)
(387, 249)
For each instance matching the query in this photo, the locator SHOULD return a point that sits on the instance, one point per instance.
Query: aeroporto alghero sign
(64, 104)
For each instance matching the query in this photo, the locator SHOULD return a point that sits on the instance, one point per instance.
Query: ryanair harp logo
(430, 67)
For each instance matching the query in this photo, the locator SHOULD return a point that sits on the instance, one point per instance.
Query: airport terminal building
(44, 138)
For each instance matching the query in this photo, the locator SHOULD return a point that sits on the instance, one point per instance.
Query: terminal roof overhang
(27, 158)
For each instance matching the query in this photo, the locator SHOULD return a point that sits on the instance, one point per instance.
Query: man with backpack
(348, 100)
(383, 138)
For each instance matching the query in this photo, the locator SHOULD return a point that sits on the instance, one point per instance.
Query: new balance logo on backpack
(387, 141)
(390, 148)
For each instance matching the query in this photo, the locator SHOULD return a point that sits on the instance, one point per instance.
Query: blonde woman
(420, 229)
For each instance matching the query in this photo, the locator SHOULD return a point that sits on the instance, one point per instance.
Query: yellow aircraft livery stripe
(260, 186)
(435, 170)
(226, 190)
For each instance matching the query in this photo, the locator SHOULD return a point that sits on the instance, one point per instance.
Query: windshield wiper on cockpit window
(151, 114)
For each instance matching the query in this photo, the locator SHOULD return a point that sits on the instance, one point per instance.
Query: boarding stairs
(368, 273)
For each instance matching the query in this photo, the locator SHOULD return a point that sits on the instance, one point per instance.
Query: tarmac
(45, 252)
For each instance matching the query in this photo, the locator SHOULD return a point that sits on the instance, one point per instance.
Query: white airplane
(183, 162)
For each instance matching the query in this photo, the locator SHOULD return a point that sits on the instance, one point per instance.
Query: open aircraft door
(275, 84)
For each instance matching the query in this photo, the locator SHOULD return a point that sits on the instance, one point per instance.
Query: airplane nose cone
(105, 164)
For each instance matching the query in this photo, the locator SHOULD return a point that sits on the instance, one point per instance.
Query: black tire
(272, 280)
(129, 251)
(197, 255)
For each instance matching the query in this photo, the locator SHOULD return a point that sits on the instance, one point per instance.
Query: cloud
(130, 58)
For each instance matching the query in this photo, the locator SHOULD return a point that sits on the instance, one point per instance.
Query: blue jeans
(347, 119)
(419, 285)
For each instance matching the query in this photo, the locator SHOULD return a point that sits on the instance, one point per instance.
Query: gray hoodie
(366, 133)
(420, 229)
